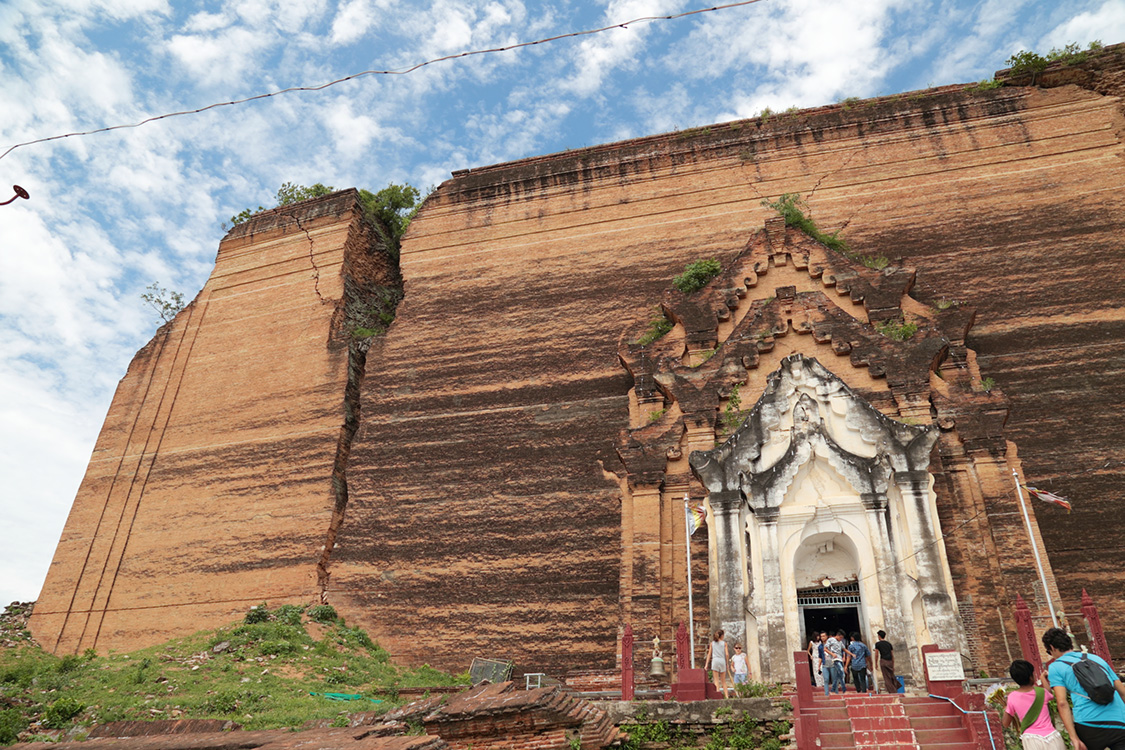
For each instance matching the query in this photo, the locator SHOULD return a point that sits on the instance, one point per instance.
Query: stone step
(884, 737)
(936, 722)
(938, 708)
(942, 736)
(948, 746)
(833, 725)
(836, 740)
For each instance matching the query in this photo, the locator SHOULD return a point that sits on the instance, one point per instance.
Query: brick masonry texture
(484, 515)
(211, 487)
(364, 738)
(477, 467)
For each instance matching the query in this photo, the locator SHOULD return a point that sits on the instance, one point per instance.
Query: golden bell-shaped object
(657, 668)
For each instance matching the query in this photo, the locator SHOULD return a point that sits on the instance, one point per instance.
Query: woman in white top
(718, 657)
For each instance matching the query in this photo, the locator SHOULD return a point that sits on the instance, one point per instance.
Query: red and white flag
(1048, 497)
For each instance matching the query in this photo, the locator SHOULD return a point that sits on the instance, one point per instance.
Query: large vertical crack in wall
(372, 291)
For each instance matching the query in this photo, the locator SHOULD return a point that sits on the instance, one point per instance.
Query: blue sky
(114, 212)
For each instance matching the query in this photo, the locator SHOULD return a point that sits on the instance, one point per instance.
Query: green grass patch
(696, 275)
(897, 329)
(261, 676)
(793, 209)
(657, 328)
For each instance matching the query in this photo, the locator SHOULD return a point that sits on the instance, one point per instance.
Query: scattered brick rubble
(362, 738)
(13, 625)
(161, 727)
(484, 717)
(500, 716)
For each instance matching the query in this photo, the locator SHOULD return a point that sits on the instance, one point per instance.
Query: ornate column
(728, 602)
(937, 604)
(885, 562)
(771, 623)
(1029, 646)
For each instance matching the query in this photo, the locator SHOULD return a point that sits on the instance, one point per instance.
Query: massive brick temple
(502, 472)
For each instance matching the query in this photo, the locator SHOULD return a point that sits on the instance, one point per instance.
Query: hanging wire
(397, 72)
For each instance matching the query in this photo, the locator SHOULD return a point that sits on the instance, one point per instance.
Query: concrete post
(1026, 631)
(1094, 626)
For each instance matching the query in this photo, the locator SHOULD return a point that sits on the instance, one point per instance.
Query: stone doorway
(831, 609)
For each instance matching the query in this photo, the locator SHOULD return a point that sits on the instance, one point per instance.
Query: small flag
(1048, 497)
(695, 517)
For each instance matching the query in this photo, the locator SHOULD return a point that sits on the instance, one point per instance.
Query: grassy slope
(262, 680)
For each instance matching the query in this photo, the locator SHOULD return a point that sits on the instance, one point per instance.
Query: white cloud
(352, 21)
(353, 133)
(1106, 23)
(795, 53)
(204, 22)
(599, 56)
(226, 57)
(967, 57)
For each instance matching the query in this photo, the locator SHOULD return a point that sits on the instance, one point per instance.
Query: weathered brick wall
(479, 466)
(485, 517)
(211, 485)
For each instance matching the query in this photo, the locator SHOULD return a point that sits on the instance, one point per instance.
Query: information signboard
(943, 666)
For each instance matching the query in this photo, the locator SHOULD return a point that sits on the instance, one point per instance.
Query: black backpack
(1093, 679)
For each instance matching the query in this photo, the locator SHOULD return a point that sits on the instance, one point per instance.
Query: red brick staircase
(889, 722)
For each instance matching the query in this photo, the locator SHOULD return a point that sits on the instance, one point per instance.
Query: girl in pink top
(1027, 709)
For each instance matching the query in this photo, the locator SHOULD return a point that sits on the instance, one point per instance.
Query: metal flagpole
(690, 613)
(1035, 549)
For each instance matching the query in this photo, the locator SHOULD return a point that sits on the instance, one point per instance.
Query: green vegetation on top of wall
(166, 303)
(696, 275)
(732, 415)
(897, 329)
(268, 671)
(392, 207)
(1027, 62)
(657, 328)
(792, 208)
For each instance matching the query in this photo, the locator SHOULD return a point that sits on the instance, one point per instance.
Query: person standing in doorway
(1091, 725)
(718, 657)
(885, 662)
(856, 660)
(834, 656)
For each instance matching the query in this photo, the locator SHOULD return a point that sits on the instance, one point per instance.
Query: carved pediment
(889, 353)
(807, 410)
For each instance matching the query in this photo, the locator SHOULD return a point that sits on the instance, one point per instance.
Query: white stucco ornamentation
(817, 488)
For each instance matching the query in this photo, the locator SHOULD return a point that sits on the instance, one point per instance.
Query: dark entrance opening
(831, 619)
(830, 608)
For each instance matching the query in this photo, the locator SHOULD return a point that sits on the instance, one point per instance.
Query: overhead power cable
(398, 72)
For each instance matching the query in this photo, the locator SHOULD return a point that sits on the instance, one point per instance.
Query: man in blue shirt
(856, 661)
(1091, 726)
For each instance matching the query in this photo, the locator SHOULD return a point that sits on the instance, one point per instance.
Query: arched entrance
(826, 579)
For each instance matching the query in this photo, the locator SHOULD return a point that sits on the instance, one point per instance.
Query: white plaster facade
(819, 489)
